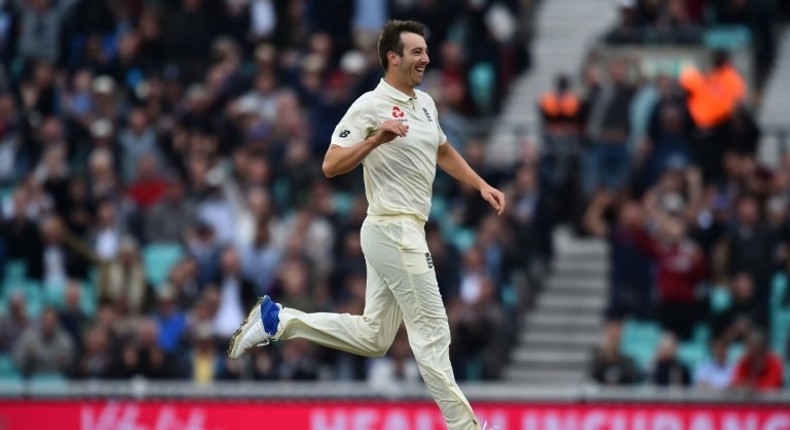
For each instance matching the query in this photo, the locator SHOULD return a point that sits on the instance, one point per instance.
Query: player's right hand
(389, 130)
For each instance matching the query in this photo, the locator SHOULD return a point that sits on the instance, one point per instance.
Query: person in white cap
(393, 131)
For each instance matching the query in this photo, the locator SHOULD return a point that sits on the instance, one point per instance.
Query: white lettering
(554, 420)
(702, 422)
(777, 422)
(617, 421)
(666, 421)
(595, 420)
(425, 420)
(740, 422)
(320, 421)
(196, 420)
(640, 421)
(166, 420)
(128, 418)
(396, 420)
(364, 419)
(529, 421)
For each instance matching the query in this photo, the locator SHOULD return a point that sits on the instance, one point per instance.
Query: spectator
(297, 363)
(236, 294)
(72, 318)
(95, 361)
(14, 322)
(165, 221)
(750, 248)
(122, 281)
(149, 187)
(608, 126)
(717, 372)
(44, 348)
(171, 321)
(560, 110)
(108, 231)
(205, 361)
(743, 315)
(668, 370)
(630, 277)
(58, 257)
(681, 267)
(713, 97)
(609, 365)
(142, 356)
(759, 369)
(396, 367)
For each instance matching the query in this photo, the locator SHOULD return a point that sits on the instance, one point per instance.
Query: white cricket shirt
(399, 174)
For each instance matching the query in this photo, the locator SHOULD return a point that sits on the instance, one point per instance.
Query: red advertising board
(333, 415)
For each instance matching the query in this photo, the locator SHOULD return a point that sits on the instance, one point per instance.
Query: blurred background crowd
(160, 169)
(670, 176)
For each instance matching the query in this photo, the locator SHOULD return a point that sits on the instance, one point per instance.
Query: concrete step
(576, 283)
(526, 375)
(587, 268)
(547, 320)
(549, 358)
(568, 303)
(558, 339)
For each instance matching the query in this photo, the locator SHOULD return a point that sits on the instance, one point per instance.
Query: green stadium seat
(439, 209)
(692, 353)
(159, 258)
(727, 37)
(780, 335)
(642, 353)
(463, 238)
(639, 341)
(6, 364)
(15, 270)
(735, 352)
(778, 290)
(342, 202)
(48, 383)
(720, 299)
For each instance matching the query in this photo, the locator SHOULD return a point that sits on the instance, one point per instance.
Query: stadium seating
(159, 258)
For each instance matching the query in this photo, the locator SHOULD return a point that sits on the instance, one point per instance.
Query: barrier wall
(359, 415)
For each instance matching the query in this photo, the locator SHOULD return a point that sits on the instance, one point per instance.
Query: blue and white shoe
(258, 328)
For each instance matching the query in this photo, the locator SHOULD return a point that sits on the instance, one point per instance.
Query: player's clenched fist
(389, 130)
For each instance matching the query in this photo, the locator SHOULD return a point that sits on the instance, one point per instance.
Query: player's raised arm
(341, 159)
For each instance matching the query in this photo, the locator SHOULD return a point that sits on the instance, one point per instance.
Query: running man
(393, 131)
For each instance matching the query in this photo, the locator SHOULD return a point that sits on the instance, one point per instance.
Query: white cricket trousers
(401, 286)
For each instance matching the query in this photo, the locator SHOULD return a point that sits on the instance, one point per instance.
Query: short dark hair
(390, 40)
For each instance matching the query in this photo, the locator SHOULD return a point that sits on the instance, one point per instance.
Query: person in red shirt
(759, 369)
(681, 266)
(150, 187)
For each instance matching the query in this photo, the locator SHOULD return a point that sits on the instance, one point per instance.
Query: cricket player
(393, 131)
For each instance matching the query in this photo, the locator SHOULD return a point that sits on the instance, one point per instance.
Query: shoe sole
(232, 346)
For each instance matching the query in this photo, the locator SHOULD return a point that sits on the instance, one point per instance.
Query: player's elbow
(328, 169)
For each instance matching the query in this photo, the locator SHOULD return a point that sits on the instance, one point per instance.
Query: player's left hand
(494, 197)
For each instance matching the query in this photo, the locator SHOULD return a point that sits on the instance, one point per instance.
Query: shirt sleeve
(442, 136)
(356, 125)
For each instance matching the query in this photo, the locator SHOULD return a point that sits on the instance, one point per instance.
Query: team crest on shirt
(397, 113)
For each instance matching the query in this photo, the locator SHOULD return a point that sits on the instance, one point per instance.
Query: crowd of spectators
(687, 22)
(196, 129)
(670, 178)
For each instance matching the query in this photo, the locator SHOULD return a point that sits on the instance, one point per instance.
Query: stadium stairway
(776, 103)
(558, 334)
(564, 30)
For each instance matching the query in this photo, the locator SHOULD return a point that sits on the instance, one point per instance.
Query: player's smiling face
(414, 60)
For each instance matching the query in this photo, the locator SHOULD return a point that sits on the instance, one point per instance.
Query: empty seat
(159, 258)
